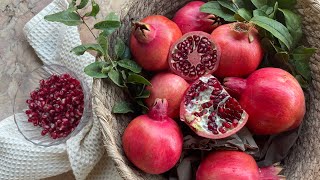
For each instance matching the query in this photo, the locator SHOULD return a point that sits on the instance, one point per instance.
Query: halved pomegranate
(193, 55)
(210, 111)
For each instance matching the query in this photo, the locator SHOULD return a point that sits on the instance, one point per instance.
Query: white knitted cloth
(20, 159)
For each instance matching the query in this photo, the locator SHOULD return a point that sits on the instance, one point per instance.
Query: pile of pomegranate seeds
(57, 105)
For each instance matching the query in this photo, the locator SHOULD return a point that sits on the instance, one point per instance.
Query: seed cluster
(57, 105)
(223, 112)
(191, 47)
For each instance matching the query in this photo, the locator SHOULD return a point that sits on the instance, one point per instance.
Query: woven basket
(304, 160)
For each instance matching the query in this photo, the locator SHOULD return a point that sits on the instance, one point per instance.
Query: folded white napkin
(20, 159)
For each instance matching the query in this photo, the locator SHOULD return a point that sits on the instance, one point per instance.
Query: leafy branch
(119, 68)
(280, 31)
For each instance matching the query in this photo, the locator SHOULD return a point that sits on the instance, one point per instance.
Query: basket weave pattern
(304, 160)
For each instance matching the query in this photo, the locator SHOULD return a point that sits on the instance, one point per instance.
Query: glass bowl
(29, 83)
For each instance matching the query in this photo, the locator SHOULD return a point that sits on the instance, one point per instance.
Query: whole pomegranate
(153, 142)
(193, 55)
(273, 99)
(190, 18)
(151, 39)
(170, 87)
(241, 51)
(210, 111)
(234, 165)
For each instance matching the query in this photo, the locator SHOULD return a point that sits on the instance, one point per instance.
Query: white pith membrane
(195, 106)
(185, 56)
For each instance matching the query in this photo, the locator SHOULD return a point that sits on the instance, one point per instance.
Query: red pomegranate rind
(210, 111)
(194, 55)
(57, 105)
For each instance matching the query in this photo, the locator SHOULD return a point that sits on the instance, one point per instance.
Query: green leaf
(145, 94)
(82, 4)
(247, 4)
(108, 26)
(136, 78)
(103, 43)
(67, 17)
(112, 17)
(95, 69)
(259, 3)
(275, 28)
(72, 3)
(245, 14)
(140, 103)
(126, 54)
(228, 4)
(293, 23)
(122, 108)
(259, 12)
(94, 9)
(129, 64)
(303, 52)
(79, 50)
(282, 57)
(302, 67)
(119, 47)
(303, 83)
(287, 4)
(275, 9)
(213, 7)
(115, 76)
(300, 59)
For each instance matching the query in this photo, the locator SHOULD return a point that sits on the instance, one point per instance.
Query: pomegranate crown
(143, 32)
(159, 110)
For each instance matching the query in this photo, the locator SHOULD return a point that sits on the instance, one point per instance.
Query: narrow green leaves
(136, 78)
(300, 59)
(293, 23)
(122, 108)
(119, 48)
(94, 9)
(67, 17)
(95, 69)
(275, 28)
(245, 14)
(79, 50)
(228, 4)
(259, 3)
(130, 65)
(116, 77)
(213, 7)
(82, 4)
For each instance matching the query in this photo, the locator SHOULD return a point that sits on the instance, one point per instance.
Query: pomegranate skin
(190, 18)
(167, 86)
(273, 99)
(239, 57)
(153, 142)
(150, 47)
(228, 165)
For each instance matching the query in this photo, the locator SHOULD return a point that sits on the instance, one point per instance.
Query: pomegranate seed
(235, 122)
(222, 130)
(58, 103)
(226, 125)
(220, 110)
(215, 131)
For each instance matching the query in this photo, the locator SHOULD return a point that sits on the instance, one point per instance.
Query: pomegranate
(153, 142)
(170, 87)
(273, 99)
(210, 111)
(57, 105)
(241, 51)
(235, 165)
(193, 55)
(150, 41)
(190, 18)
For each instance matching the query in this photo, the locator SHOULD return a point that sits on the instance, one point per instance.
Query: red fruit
(193, 55)
(170, 87)
(189, 18)
(210, 111)
(273, 99)
(240, 56)
(234, 165)
(153, 142)
(57, 105)
(150, 41)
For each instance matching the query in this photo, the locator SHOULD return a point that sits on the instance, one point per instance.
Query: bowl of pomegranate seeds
(52, 104)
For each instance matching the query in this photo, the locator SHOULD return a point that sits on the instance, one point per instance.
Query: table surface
(17, 57)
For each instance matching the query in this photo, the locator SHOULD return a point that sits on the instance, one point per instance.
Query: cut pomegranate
(57, 105)
(193, 55)
(210, 111)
